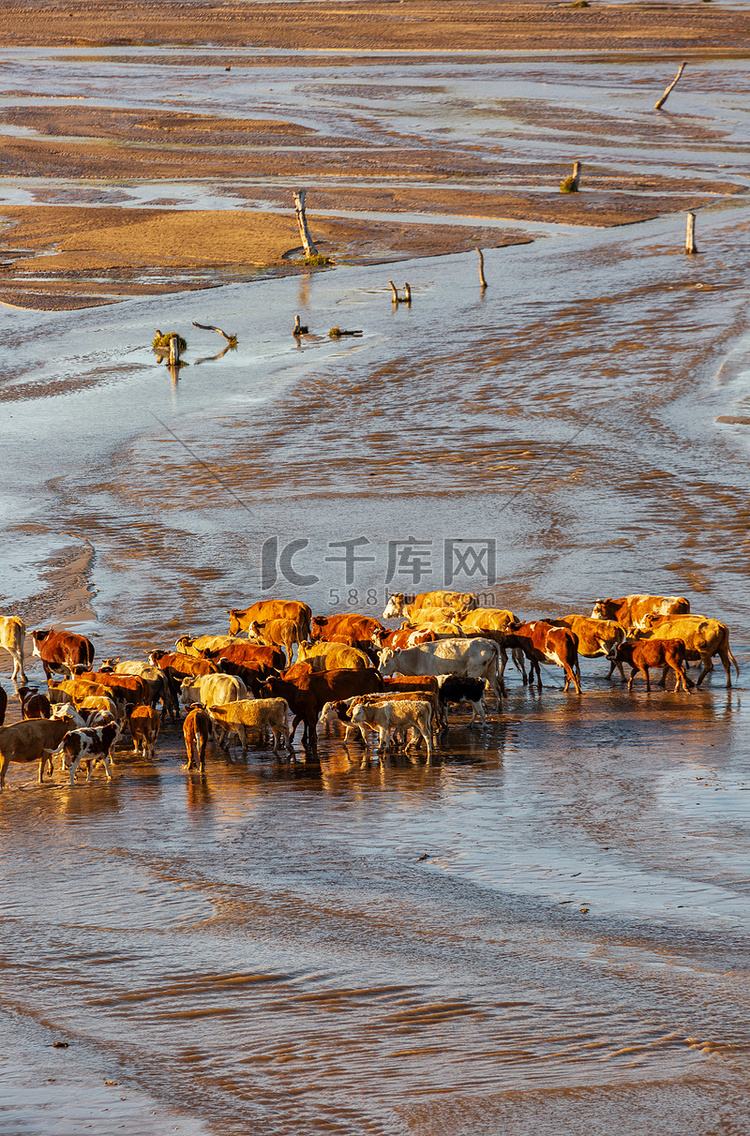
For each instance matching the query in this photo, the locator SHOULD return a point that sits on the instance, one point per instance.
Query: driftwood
(304, 232)
(482, 280)
(660, 103)
(405, 299)
(570, 184)
(299, 328)
(337, 333)
(690, 245)
(208, 327)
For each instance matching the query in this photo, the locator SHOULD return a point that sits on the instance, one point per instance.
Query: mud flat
(545, 931)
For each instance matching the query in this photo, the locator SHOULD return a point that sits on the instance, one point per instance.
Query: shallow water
(545, 931)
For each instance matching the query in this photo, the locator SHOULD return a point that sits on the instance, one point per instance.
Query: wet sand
(546, 930)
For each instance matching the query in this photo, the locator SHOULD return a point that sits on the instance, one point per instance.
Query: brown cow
(144, 728)
(300, 613)
(641, 654)
(35, 740)
(542, 643)
(33, 704)
(404, 638)
(62, 651)
(249, 655)
(350, 628)
(630, 611)
(596, 637)
(123, 688)
(703, 638)
(308, 695)
(196, 730)
(275, 633)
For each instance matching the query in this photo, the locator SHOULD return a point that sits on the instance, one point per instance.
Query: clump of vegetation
(568, 185)
(335, 333)
(161, 341)
(317, 261)
(580, 4)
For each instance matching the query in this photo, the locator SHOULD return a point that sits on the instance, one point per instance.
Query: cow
(472, 658)
(144, 728)
(33, 704)
(196, 730)
(197, 645)
(703, 638)
(122, 688)
(542, 643)
(332, 657)
(396, 714)
(399, 606)
(67, 710)
(35, 740)
(181, 665)
(307, 696)
(249, 655)
(253, 677)
(340, 711)
(596, 637)
(349, 628)
(74, 690)
(403, 638)
(92, 744)
(641, 654)
(3, 705)
(62, 651)
(159, 684)
(630, 611)
(275, 633)
(300, 613)
(445, 629)
(256, 714)
(457, 689)
(12, 636)
(485, 619)
(217, 689)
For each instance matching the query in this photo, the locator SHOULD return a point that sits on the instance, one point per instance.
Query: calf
(91, 744)
(641, 654)
(395, 715)
(454, 688)
(12, 636)
(144, 728)
(253, 714)
(196, 730)
(33, 704)
(341, 711)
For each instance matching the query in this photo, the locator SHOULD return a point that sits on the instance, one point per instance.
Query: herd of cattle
(347, 668)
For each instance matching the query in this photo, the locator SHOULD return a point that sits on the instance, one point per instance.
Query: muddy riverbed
(547, 929)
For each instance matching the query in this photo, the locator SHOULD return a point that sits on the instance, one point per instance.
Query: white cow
(470, 658)
(212, 690)
(12, 635)
(395, 715)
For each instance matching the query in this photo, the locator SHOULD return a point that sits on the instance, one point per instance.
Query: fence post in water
(174, 350)
(660, 103)
(407, 294)
(396, 296)
(482, 280)
(304, 232)
(690, 245)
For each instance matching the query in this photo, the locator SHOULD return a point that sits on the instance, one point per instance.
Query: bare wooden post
(658, 105)
(304, 232)
(482, 280)
(174, 350)
(690, 245)
(396, 296)
(407, 294)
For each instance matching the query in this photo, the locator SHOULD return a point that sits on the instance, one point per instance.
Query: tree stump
(304, 232)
